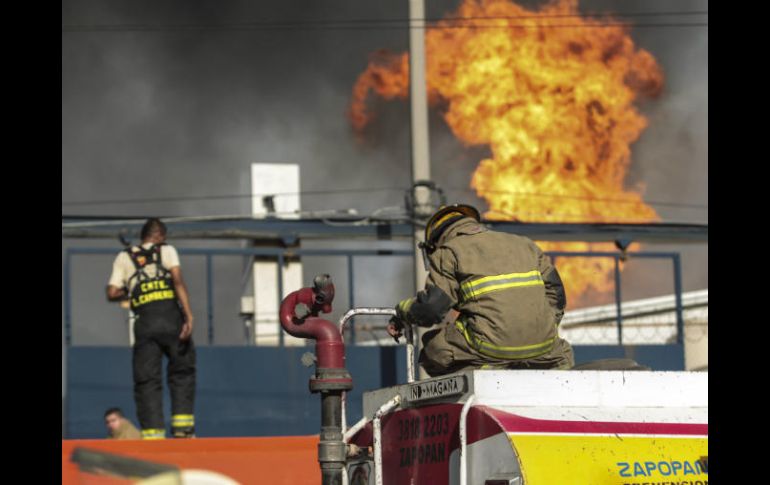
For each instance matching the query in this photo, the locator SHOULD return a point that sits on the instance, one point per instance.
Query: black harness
(153, 293)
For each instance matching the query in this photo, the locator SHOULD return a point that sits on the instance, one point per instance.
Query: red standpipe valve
(299, 317)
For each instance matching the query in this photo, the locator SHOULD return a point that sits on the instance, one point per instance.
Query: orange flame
(551, 93)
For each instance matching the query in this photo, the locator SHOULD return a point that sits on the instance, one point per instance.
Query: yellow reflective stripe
(479, 281)
(182, 420)
(153, 434)
(503, 352)
(437, 224)
(487, 284)
(489, 289)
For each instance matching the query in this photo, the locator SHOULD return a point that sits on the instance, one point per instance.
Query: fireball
(552, 95)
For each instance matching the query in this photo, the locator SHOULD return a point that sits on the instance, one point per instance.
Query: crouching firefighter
(150, 276)
(508, 298)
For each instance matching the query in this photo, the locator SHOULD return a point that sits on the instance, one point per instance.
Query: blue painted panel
(98, 378)
(263, 391)
(657, 357)
(241, 391)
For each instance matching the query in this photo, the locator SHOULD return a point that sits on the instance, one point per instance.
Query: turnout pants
(154, 338)
(445, 351)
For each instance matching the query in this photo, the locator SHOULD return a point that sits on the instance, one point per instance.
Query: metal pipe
(618, 300)
(331, 449)
(247, 332)
(269, 251)
(351, 296)
(409, 353)
(344, 412)
(279, 273)
(342, 323)
(279, 252)
(347, 435)
(67, 298)
(385, 408)
(364, 311)
(464, 440)
(210, 298)
(678, 297)
(383, 311)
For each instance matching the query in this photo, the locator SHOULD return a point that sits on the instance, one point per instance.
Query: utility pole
(420, 143)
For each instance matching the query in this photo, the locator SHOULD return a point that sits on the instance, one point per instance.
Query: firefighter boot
(183, 426)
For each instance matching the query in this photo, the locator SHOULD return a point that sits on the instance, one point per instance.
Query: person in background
(119, 427)
(150, 277)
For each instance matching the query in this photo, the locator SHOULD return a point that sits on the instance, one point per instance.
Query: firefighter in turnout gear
(150, 277)
(508, 296)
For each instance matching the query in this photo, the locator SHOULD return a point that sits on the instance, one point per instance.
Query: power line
(435, 19)
(340, 219)
(380, 189)
(585, 198)
(393, 24)
(122, 29)
(230, 196)
(370, 28)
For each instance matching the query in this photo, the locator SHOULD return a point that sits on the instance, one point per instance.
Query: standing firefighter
(149, 275)
(509, 296)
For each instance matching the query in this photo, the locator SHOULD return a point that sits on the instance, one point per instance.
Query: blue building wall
(263, 391)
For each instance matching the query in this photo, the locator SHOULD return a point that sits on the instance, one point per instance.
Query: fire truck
(501, 427)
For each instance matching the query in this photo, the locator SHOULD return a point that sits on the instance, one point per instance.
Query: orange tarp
(275, 460)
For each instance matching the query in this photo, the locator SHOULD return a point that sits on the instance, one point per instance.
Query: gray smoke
(183, 113)
(175, 113)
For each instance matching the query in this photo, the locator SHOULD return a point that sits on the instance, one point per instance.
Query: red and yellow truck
(536, 427)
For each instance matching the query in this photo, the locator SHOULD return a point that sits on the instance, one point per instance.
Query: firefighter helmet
(444, 217)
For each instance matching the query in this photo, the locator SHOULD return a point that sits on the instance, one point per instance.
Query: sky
(151, 111)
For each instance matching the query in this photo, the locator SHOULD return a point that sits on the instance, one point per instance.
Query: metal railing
(282, 255)
(618, 257)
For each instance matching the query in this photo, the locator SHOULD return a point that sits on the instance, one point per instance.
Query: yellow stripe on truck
(611, 460)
